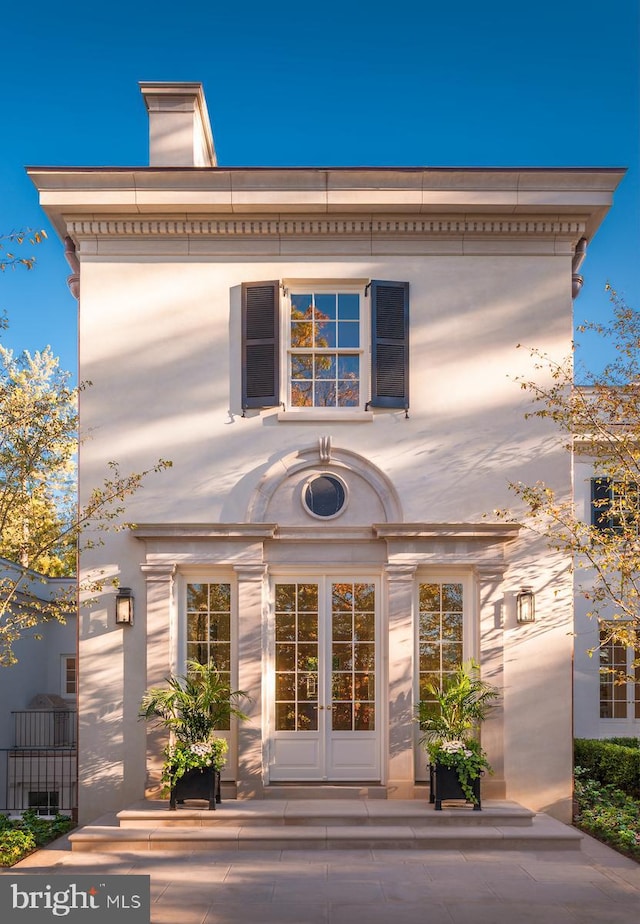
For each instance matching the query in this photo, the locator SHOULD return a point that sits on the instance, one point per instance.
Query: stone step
(353, 792)
(324, 824)
(324, 813)
(543, 834)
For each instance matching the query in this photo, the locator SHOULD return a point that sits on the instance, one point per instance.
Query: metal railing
(40, 771)
(44, 728)
(43, 779)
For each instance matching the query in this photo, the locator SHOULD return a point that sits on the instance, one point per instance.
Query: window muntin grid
(619, 699)
(296, 657)
(325, 345)
(69, 675)
(209, 626)
(440, 633)
(353, 657)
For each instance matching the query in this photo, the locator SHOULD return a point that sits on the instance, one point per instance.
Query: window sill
(320, 416)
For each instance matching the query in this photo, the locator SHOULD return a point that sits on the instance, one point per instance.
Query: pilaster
(159, 585)
(400, 590)
(491, 658)
(250, 650)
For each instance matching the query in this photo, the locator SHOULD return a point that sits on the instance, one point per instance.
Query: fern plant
(456, 708)
(192, 707)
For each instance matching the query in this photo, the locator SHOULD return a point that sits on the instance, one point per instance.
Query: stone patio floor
(593, 884)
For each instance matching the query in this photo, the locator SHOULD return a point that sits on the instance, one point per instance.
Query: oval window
(324, 496)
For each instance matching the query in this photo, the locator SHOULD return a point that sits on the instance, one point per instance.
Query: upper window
(325, 365)
(319, 338)
(615, 507)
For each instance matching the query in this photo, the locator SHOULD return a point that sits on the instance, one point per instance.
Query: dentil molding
(80, 228)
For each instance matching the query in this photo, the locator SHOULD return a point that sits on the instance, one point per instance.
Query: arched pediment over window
(323, 483)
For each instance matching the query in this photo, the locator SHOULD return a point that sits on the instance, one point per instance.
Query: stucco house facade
(329, 359)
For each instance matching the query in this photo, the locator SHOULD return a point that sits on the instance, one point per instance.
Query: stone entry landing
(305, 824)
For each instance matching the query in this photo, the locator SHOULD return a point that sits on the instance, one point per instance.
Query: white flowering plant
(465, 757)
(200, 755)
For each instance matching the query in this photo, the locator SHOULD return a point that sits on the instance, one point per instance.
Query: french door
(324, 694)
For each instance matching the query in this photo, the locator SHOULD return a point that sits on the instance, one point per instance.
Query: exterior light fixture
(526, 605)
(124, 607)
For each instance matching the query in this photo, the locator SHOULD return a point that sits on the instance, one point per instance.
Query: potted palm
(450, 721)
(192, 708)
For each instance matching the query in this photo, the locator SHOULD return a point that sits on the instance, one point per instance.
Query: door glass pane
(209, 627)
(296, 629)
(342, 657)
(365, 627)
(364, 598)
(342, 716)
(342, 686)
(286, 716)
(285, 627)
(342, 626)
(440, 633)
(353, 679)
(308, 627)
(364, 717)
(364, 657)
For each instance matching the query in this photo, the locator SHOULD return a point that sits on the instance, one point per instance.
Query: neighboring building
(604, 707)
(328, 357)
(38, 717)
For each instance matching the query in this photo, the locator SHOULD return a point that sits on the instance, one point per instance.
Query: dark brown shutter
(389, 344)
(260, 344)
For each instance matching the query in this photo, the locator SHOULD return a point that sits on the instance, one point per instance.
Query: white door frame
(323, 754)
(470, 640)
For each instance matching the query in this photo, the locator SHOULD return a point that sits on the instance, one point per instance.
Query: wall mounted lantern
(124, 607)
(526, 605)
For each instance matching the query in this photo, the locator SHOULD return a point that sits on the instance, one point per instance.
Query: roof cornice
(183, 193)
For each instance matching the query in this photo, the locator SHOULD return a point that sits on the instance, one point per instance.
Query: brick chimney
(179, 128)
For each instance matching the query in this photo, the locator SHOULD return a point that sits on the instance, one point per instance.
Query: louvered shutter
(260, 345)
(389, 344)
(601, 503)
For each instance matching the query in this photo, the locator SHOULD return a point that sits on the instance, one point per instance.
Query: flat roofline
(432, 167)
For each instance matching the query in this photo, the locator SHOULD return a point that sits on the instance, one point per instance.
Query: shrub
(608, 814)
(610, 763)
(625, 742)
(14, 845)
(20, 836)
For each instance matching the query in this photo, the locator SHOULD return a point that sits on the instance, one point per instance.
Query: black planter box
(445, 785)
(197, 784)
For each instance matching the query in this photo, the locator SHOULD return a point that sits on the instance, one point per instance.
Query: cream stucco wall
(160, 343)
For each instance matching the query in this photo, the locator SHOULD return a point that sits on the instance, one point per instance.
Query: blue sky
(344, 83)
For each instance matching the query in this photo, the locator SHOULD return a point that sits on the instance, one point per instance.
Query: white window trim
(470, 639)
(329, 286)
(202, 575)
(309, 481)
